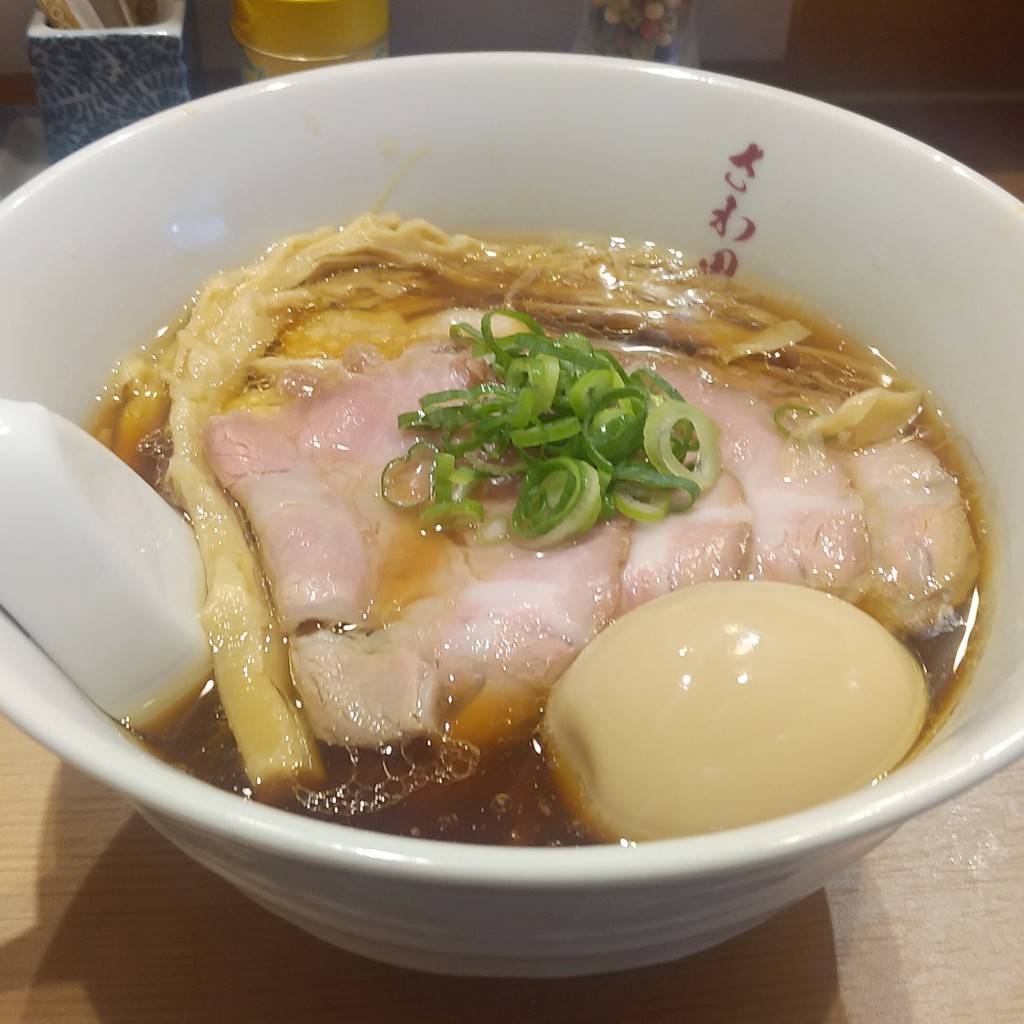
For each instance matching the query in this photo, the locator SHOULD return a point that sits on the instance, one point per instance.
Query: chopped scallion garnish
(791, 415)
(578, 436)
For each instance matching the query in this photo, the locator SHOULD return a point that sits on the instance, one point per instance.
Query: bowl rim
(501, 59)
(159, 789)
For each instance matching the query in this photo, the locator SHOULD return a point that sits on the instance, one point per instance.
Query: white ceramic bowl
(896, 242)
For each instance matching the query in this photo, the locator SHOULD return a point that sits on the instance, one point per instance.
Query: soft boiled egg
(728, 703)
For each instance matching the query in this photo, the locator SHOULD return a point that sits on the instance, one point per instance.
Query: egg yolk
(729, 703)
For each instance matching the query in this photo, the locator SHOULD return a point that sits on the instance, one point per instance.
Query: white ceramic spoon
(95, 566)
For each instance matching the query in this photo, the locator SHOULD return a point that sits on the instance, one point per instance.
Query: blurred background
(734, 29)
(948, 72)
(833, 45)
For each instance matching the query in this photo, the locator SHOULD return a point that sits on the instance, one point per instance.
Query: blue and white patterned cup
(90, 83)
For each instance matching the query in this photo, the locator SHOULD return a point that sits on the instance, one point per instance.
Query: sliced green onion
(406, 481)
(490, 461)
(453, 515)
(645, 504)
(652, 380)
(559, 498)
(565, 426)
(589, 387)
(412, 420)
(682, 491)
(451, 483)
(546, 433)
(541, 373)
(660, 436)
(615, 423)
(577, 340)
(791, 415)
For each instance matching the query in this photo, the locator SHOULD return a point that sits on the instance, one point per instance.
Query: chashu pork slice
(924, 558)
(307, 475)
(392, 628)
(498, 625)
(807, 523)
(395, 631)
(710, 541)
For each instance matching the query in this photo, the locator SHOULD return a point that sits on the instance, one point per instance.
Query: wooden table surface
(101, 920)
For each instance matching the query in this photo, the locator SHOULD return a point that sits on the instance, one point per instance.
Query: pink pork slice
(392, 631)
(370, 667)
(807, 521)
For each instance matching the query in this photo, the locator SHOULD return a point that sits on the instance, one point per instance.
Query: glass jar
(659, 30)
(279, 36)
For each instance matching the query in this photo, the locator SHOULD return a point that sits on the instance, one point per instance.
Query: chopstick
(70, 14)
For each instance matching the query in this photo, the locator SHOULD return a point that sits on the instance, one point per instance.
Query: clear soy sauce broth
(506, 793)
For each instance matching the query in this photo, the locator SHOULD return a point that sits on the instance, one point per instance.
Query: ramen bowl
(900, 245)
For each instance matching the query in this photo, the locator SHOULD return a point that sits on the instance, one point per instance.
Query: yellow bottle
(278, 36)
